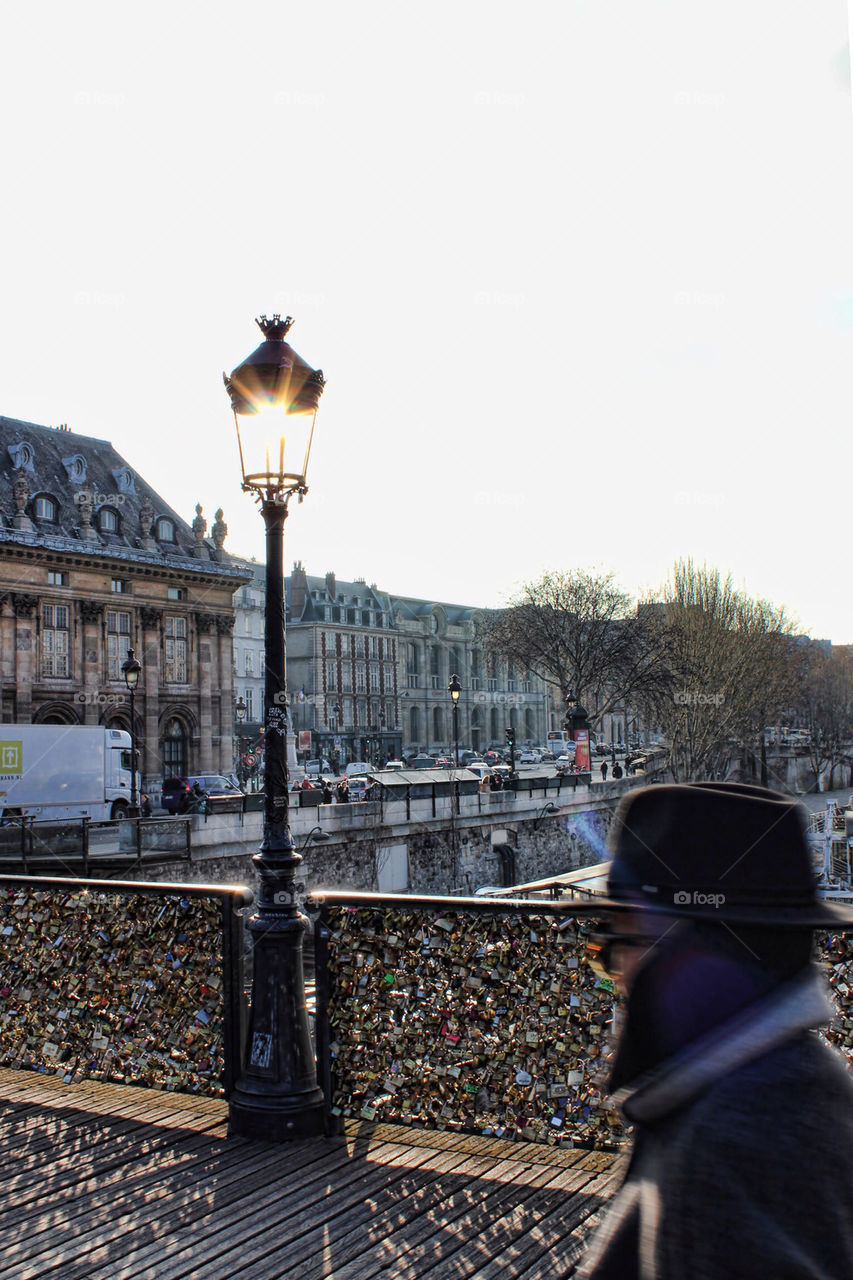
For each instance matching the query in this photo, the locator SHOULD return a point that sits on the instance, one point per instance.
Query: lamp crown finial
(276, 328)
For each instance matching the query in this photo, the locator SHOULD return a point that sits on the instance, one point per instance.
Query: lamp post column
(277, 1097)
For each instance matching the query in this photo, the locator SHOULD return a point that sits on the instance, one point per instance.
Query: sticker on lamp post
(261, 1049)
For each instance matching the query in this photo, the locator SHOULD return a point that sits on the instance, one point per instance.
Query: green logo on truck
(11, 759)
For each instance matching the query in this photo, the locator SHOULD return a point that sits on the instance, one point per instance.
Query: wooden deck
(106, 1181)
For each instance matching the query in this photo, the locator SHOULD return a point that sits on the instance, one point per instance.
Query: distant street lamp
(240, 713)
(131, 669)
(455, 689)
(275, 396)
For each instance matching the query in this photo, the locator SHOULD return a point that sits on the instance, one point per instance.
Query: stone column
(26, 656)
(91, 615)
(7, 650)
(151, 762)
(225, 727)
(207, 660)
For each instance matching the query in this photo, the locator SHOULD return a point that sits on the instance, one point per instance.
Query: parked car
(394, 764)
(315, 767)
(530, 757)
(358, 788)
(221, 795)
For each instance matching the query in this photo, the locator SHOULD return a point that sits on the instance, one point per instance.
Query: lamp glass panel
(274, 447)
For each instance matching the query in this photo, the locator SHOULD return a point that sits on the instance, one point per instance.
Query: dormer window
(44, 509)
(165, 530)
(108, 520)
(75, 468)
(22, 456)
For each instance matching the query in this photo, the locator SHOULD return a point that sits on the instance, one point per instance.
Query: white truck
(53, 771)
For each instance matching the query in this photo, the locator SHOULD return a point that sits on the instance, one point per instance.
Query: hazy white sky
(579, 275)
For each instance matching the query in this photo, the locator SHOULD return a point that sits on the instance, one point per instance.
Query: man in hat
(743, 1117)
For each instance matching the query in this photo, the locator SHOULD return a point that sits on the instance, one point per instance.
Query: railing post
(85, 834)
(138, 820)
(234, 1005)
(322, 1036)
(188, 834)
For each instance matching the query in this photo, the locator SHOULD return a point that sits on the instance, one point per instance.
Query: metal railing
(462, 1013)
(134, 983)
(87, 845)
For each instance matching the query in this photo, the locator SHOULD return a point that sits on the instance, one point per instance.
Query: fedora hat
(717, 851)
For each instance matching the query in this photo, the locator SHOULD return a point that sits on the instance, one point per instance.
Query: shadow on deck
(108, 1181)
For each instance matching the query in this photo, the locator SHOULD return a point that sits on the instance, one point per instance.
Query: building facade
(93, 563)
(367, 674)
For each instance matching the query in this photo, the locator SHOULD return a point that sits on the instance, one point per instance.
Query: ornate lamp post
(454, 689)
(275, 396)
(131, 669)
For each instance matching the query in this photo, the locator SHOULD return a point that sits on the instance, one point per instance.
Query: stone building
(367, 673)
(94, 562)
(249, 645)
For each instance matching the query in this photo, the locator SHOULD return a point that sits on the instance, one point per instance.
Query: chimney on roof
(298, 590)
(330, 585)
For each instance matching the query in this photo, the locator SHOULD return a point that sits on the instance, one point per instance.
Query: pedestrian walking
(740, 1112)
(604, 771)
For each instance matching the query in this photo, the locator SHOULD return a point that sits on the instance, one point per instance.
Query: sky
(580, 276)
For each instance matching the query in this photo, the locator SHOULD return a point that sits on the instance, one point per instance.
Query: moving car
(222, 795)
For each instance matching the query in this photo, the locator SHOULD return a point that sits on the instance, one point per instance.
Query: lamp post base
(265, 1119)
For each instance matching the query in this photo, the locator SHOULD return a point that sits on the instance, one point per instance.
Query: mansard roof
(59, 465)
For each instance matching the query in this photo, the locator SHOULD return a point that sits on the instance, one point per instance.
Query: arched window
(108, 520)
(174, 750)
(165, 530)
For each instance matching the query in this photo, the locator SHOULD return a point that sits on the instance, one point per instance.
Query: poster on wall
(304, 740)
(582, 750)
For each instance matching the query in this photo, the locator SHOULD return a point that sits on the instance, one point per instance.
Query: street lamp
(455, 689)
(240, 710)
(274, 396)
(131, 669)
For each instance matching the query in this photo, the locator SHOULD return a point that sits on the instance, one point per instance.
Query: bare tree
(579, 632)
(727, 668)
(825, 703)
